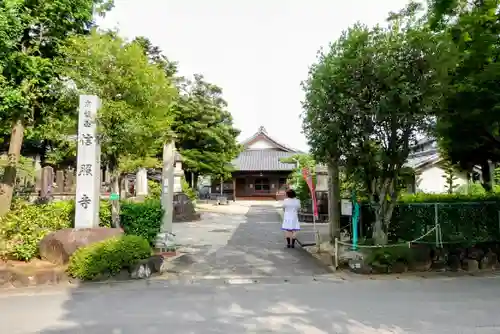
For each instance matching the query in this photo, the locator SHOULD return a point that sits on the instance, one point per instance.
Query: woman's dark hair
(290, 193)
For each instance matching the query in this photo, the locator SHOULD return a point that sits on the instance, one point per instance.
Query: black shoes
(290, 242)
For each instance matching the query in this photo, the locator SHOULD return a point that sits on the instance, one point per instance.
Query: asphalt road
(279, 290)
(300, 305)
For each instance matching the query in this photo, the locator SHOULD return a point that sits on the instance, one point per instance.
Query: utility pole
(167, 179)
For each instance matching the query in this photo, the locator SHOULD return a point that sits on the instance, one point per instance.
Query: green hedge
(22, 228)
(154, 189)
(26, 224)
(143, 219)
(108, 257)
(461, 217)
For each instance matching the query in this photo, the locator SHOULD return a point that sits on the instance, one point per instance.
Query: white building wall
(260, 145)
(433, 180)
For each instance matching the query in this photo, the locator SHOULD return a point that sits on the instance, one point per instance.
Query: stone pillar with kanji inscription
(88, 164)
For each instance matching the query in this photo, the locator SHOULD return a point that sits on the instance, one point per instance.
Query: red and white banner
(308, 177)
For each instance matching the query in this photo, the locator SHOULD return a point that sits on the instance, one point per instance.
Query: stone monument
(321, 178)
(167, 191)
(178, 174)
(141, 183)
(88, 164)
(47, 183)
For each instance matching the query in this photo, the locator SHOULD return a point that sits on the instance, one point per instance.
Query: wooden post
(336, 254)
(234, 189)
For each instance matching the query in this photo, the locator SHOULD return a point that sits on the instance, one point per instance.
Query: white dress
(291, 215)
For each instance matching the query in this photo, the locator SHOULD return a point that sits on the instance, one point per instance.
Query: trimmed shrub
(105, 214)
(387, 257)
(154, 189)
(462, 218)
(186, 189)
(142, 219)
(108, 257)
(26, 224)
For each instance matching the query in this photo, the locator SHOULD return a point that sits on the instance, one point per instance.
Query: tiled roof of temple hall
(263, 160)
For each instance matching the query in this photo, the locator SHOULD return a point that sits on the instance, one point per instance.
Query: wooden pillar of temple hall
(88, 172)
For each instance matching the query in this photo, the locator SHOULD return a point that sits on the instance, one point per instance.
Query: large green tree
(156, 56)
(135, 116)
(204, 131)
(30, 32)
(377, 89)
(296, 178)
(205, 134)
(468, 126)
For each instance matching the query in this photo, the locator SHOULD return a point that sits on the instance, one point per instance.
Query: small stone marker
(47, 182)
(88, 171)
(60, 181)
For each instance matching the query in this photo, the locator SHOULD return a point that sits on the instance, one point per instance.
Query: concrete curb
(63, 280)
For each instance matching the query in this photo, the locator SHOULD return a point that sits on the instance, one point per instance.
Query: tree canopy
(367, 99)
(136, 96)
(30, 33)
(468, 126)
(206, 136)
(50, 52)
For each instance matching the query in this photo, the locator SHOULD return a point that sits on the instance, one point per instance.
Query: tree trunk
(486, 175)
(115, 204)
(383, 211)
(43, 153)
(379, 229)
(334, 199)
(379, 236)
(492, 174)
(188, 176)
(9, 176)
(195, 181)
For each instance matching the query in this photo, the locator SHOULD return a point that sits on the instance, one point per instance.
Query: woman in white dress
(291, 225)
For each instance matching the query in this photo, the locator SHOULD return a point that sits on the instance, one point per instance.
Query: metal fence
(458, 221)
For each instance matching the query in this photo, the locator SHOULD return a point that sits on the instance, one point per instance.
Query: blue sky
(258, 51)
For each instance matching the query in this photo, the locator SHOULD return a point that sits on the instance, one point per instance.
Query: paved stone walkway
(224, 245)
